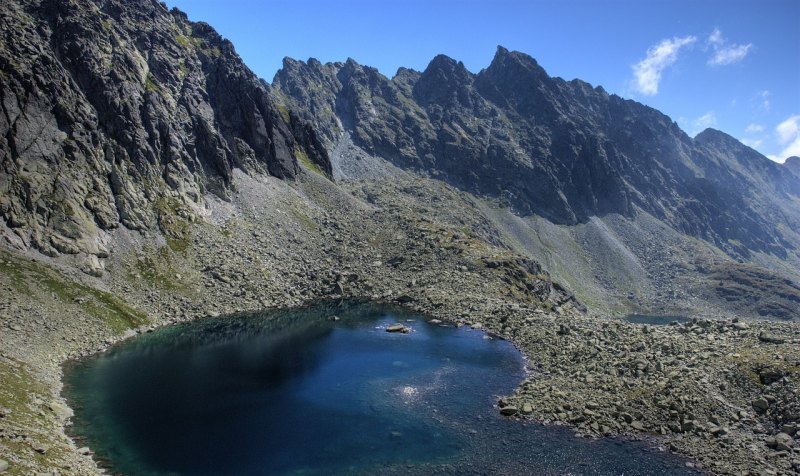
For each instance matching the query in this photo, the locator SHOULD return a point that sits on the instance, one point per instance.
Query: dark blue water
(293, 392)
(655, 320)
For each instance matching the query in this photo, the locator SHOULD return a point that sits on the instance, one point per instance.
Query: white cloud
(754, 129)
(792, 149)
(752, 143)
(789, 129)
(730, 55)
(704, 122)
(788, 133)
(761, 100)
(647, 72)
(725, 53)
(715, 38)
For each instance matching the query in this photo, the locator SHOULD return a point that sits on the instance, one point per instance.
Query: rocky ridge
(203, 227)
(559, 149)
(617, 176)
(120, 114)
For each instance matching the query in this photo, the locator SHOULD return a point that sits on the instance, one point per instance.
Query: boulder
(760, 404)
(60, 410)
(509, 410)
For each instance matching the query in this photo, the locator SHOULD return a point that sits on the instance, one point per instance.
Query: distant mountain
(117, 112)
(558, 149)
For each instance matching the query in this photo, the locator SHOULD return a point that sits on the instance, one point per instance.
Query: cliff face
(120, 112)
(545, 146)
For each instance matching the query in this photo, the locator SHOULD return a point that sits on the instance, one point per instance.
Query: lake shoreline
(234, 264)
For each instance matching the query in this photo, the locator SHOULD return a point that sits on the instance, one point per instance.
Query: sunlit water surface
(295, 392)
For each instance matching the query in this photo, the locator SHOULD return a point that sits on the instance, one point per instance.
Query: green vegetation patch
(157, 269)
(152, 86)
(16, 394)
(284, 112)
(177, 229)
(302, 157)
(305, 220)
(29, 277)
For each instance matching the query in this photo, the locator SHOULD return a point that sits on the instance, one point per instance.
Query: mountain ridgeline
(559, 149)
(123, 113)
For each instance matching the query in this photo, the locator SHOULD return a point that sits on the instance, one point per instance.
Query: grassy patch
(284, 112)
(158, 269)
(184, 70)
(302, 157)
(33, 278)
(183, 40)
(16, 394)
(152, 86)
(177, 229)
(102, 305)
(750, 360)
(304, 219)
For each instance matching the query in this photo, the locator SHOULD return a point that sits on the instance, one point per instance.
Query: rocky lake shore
(149, 177)
(722, 391)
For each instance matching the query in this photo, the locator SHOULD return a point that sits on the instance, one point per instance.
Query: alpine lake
(302, 392)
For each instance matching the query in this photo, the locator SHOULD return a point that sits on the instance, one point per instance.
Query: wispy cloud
(756, 136)
(788, 129)
(703, 122)
(761, 100)
(788, 133)
(752, 143)
(754, 129)
(726, 53)
(647, 72)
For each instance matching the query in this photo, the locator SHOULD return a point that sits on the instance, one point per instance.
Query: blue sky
(733, 65)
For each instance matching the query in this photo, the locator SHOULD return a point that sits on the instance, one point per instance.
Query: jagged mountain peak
(514, 62)
(443, 62)
(711, 135)
(563, 150)
(793, 164)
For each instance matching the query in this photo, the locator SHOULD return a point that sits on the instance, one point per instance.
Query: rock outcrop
(558, 149)
(124, 113)
(793, 165)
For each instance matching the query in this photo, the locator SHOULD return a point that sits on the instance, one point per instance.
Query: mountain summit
(558, 149)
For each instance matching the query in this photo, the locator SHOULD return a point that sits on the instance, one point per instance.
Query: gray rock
(509, 410)
(760, 404)
(3, 465)
(783, 442)
(60, 410)
(39, 448)
(770, 338)
(395, 328)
